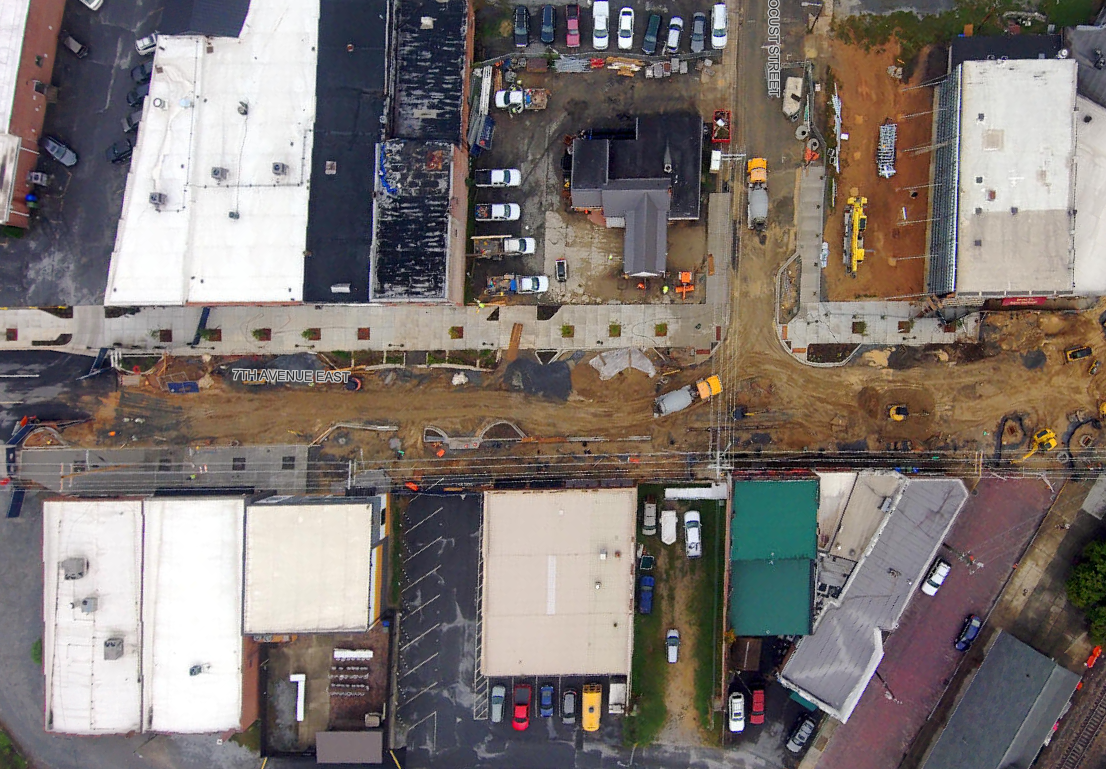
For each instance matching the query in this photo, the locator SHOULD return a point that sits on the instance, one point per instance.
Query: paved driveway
(919, 661)
(64, 257)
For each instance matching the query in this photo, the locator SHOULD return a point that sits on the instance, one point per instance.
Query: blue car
(968, 634)
(645, 599)
(545, 701)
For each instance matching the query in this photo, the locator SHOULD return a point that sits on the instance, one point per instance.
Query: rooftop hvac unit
(158, 199)
(220, 174)
(233, 215)
(340, 288)
(195, 670)
(88, 605)
(279, 169)
(74, 568)
(113, 648)
(243, 108)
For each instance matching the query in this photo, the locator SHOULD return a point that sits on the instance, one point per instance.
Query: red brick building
(28, 44)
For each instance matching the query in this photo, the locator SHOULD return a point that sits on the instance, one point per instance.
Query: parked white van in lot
(601, 18)
(718, 24)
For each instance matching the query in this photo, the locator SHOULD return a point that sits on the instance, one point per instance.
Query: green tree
(1087, 584)
(1096, 624)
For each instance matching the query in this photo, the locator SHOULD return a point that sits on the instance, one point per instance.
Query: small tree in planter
(660, 329)
(614, 331)
(456, 332)
(212, 334)
(567, 331)
(312, 334)
(263, 334)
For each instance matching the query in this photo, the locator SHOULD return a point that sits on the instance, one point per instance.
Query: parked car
(548, 24)
(572, 18)
(600, 24)
(626, 28)
(672, 645)
(645, 594)
(693, 534)
(568, 706)
(800, 734)
(698, 32)
(652, 31)
(968, 633)
(499, 696)
(532, 284)
(138, 95)
(520, 246)
(92, 5)
(675, 28)
(561, 270)
(498, 212)
(71, 44)
(131, 121)
(718, 24)
(735, 711)
(499, 177)
(649, 521)
(520, 720)
(522, 26)
(141, 73)
(146, 45)
(58, 151)
(936, 577)
(545, 701)
(120, 152)
(756, 710)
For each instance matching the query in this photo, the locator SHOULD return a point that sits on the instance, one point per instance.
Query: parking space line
(422, 549)
(422, 606)
(420, 636)
(424, 576)
(434, 734)
(409, 700)
(412, 670)
(424, 520)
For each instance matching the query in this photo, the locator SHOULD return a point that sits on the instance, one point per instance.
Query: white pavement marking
(420, 636)
(424, 576)
(422, 549)
(412, 670)
(551, 585)
(423, 605)
(424, 520)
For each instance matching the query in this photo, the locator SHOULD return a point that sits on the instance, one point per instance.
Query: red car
(756, 713)
(521, 720)
(573, 13)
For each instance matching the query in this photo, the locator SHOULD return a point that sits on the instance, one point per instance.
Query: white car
(675, 28)
(736, 712)
(718, 24)
(533, 284)
(626, 29)
(92, 5)
(936, 577)
(499, 695)
(672, 645)
(520, 246)
(146, 45)
(649, 523)
(601, 24)
(693, 534)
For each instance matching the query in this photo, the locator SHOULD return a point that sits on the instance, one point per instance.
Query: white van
(718, 23)
(601, 18)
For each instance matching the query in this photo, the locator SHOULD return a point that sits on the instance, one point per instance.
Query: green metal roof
(774, 543)
(774, 520)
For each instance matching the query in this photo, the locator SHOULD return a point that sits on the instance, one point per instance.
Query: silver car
(499, 695)
(58, 151)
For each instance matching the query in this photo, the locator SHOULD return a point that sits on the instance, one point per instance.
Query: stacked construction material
(885, 150)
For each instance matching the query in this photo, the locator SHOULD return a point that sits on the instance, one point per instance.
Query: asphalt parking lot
(919, 660)
(63, 259)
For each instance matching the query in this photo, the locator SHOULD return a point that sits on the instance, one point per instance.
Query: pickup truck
(518, 99)
(518, 284)
(499, 177)
(498, 212)
(495, 246)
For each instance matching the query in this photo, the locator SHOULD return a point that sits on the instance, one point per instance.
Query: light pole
(888, 693)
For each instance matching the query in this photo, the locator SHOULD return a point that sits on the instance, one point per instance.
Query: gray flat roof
(832, 666)
(1007, 712)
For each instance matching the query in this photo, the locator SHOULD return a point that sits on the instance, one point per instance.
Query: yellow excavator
(898, 412)
(1042, 440)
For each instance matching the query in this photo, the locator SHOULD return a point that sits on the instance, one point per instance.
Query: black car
(649, 45)
(548, 23)
(120, 152)
(698, 32)
(141, 73)
(522, 26)
(138, 95)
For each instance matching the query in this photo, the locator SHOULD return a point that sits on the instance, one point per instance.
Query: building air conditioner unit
(220, 174)
(233, 215)
(113, 648)
(74, 568)
(158, 199)
(88, 605)
(196, 670)
(279, 169)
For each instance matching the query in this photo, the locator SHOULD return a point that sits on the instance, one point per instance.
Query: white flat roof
(1017, 151)
(552, 605)
(86, 693)
(191, 250)
(1090, 191)
(13, 26)
(192, 614)
(308, 568)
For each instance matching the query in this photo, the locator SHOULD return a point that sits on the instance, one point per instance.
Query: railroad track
(1088, 730)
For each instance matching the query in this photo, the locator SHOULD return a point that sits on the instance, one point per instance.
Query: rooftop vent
(233, 215)
(88, 605)
(243, 108)
(426, 22)
(331, 167)
(1013, 209)
(220, 174)
(279, 169)
(113, 648)
(74, 568)
(159, 103)
(158, 199)
(195, 670)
